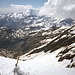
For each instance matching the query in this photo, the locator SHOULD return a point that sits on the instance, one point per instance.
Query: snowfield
(36, 64)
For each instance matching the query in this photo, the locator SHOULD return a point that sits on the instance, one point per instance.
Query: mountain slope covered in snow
(43, 63)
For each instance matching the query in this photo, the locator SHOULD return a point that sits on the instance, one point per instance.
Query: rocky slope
(61, 38)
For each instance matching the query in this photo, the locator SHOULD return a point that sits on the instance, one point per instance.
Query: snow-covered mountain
(40, 40)
(31, 18)
(23, 23)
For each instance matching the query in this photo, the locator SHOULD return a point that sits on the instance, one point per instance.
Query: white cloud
(58, 8)
(21, 7)
(16, 8)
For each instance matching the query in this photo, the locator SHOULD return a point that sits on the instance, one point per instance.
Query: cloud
(21, 7)
(58, 8)
(16, 8)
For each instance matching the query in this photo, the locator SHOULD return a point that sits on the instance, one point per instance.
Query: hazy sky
(34, 3)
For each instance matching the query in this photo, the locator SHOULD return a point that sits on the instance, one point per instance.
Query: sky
(52, 8)
(34, 3)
